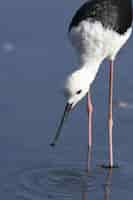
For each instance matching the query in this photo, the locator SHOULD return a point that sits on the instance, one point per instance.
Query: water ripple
(67, 183)
(57, 183)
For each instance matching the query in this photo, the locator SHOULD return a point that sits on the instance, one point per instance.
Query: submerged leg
(110, 116)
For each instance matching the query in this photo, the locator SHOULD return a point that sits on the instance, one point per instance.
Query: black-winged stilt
(98, 30)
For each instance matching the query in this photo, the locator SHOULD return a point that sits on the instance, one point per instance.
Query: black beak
(67, 110)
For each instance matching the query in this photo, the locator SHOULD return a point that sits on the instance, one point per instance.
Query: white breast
(93, 41)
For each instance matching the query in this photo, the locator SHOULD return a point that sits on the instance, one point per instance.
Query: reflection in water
(84, 189)
(107, 187)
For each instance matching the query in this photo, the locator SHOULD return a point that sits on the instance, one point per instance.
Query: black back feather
(113, 14)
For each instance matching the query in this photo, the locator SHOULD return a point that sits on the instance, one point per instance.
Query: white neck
(89, 58)
(90, 68)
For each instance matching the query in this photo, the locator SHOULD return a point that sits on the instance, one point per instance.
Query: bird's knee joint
(90, 108)
(110, 121)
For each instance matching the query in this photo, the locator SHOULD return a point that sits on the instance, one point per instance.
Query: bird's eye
(79, 91)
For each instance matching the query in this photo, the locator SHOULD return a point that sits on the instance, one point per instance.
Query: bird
(97, 31)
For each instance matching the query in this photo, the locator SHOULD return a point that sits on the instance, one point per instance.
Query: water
(35, 56)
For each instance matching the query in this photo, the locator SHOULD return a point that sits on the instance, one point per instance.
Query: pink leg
(89, 111)
(110, 118)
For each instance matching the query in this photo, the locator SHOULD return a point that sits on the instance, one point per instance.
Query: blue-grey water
(35, 57)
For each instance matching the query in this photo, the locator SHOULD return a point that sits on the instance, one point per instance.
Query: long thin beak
(67, 110)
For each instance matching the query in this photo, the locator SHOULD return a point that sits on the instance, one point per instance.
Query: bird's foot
(116, 166)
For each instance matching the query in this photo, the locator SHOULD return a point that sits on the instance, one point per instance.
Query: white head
(76, 86)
